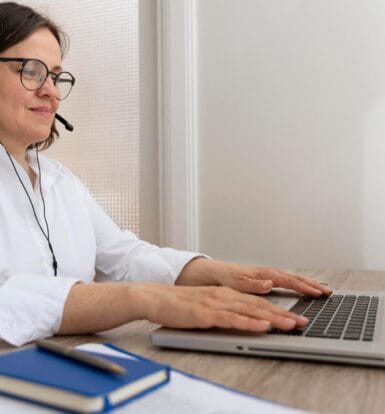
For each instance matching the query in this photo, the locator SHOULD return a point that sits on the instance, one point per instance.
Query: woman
(55, 241)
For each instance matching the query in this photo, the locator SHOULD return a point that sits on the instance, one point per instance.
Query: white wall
(291, 127)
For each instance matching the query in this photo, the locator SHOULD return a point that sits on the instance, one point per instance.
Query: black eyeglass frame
(54, 76)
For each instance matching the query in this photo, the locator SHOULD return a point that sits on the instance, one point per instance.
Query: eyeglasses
(34, 73)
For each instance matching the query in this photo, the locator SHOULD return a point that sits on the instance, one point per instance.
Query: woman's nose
(49, 88)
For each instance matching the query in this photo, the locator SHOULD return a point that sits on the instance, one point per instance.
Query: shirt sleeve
(120, 255)
(31, 306)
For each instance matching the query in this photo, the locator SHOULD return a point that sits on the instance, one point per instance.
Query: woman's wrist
(200, 271)
(140, 298)
(148, 300)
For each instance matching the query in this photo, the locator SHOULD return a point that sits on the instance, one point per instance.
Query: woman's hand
(207, 307)
(95, 307)
(248, 279)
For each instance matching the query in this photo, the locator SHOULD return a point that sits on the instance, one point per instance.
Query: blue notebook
(45, 378)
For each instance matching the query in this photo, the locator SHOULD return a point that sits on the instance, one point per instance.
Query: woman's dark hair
(17, 22)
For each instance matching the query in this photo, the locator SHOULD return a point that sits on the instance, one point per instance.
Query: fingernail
(290, 323)
(303, 319)
(266, 324)
(266, 285)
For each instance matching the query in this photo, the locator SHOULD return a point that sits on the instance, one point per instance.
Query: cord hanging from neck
(46, 234)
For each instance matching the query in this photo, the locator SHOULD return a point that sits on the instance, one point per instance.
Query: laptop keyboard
(350, 317)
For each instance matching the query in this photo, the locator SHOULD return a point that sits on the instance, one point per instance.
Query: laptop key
(315, 334)
(333, 335)
(352, 335)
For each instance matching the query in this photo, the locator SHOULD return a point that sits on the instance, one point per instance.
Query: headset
(66, 124)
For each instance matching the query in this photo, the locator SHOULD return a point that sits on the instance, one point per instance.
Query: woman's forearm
(96, 307)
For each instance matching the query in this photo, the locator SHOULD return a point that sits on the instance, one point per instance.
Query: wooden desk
(320, 387)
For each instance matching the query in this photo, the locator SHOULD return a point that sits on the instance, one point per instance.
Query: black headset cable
(46, 235)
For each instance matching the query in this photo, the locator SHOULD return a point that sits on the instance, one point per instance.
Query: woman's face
(26, 116)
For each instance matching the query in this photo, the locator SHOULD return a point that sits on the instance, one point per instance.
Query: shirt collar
(50, 170)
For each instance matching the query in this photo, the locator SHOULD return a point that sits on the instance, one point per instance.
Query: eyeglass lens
(34, 74)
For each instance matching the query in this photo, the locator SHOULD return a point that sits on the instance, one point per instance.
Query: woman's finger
(261, 308)
(316, 284)
(305, 285)
(271, 307)
(297, 282)
(249, 284)
(281, 320)
(231, 320)
(299, 286)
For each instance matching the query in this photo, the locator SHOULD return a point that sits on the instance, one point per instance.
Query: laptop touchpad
(284, 298)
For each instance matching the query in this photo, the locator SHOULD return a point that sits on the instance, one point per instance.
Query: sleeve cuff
(178, 259)
(31, 306)
(162, 265)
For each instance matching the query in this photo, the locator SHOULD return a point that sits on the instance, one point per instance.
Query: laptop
(347, 327)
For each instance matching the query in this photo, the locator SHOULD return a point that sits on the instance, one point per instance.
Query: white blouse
(88, 246)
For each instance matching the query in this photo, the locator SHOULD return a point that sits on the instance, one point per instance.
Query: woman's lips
(42, 110)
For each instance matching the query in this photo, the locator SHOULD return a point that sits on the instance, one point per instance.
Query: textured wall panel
(103, 150)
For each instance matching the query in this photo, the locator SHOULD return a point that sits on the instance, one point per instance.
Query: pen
(82, 357)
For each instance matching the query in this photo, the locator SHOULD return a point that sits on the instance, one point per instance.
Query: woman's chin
(38, 135)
